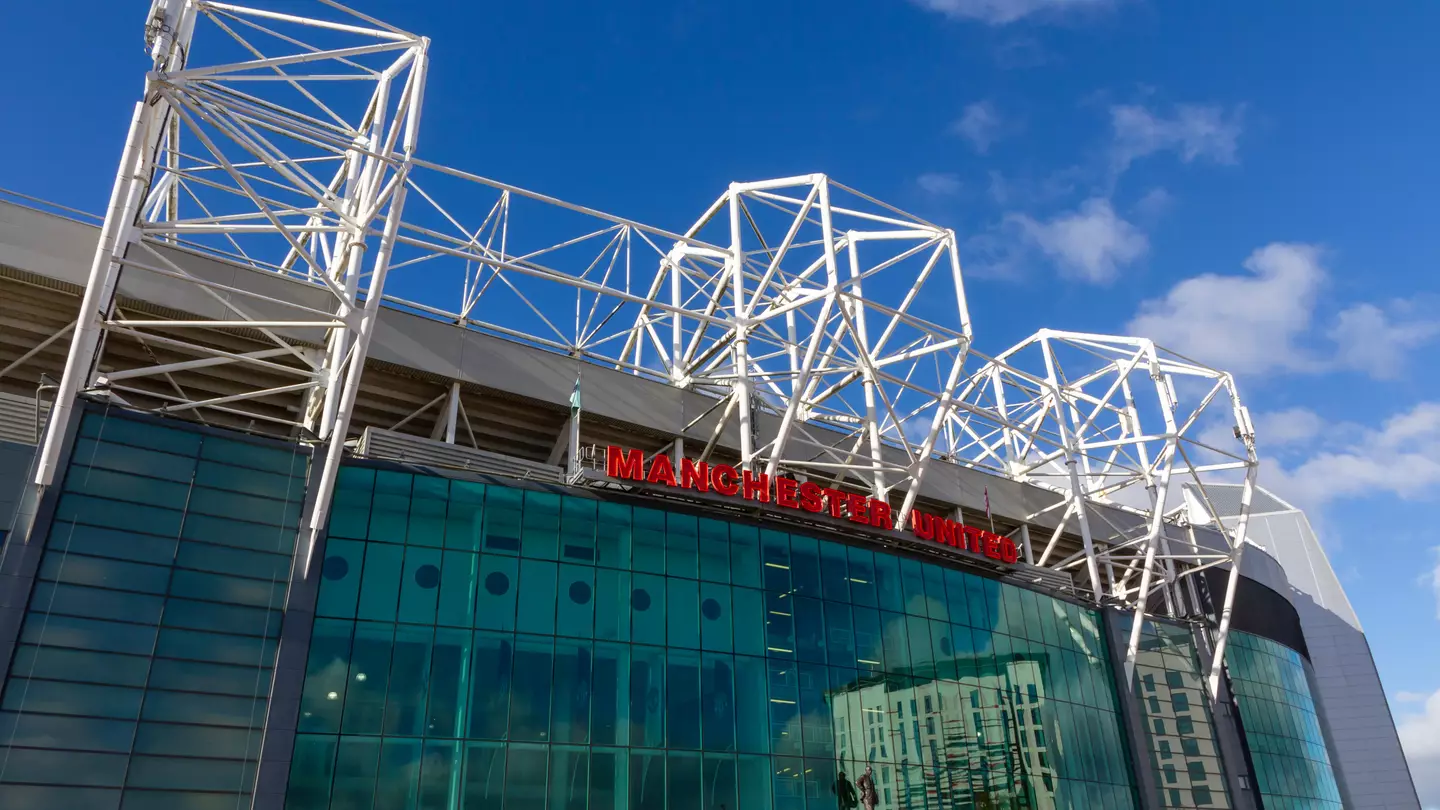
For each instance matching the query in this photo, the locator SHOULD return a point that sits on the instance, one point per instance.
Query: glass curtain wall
(491, 647)
(143, 666)
(1169, 686)
(1281, 723)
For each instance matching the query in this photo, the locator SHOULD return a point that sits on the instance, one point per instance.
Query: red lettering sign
(788, 493)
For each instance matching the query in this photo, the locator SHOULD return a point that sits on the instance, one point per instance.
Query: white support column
(452, 413)
(130, 180)
(743, 388)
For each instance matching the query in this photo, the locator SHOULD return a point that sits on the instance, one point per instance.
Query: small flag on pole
(987, 504)
(575, 396)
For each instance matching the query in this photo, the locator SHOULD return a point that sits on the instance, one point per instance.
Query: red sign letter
(857, 504)
(757, 487)
(880, 515)
(922, 524)
(694, 476)
(662, 471)
(725, 479)
(622, 464)
(811, 497)
(785, 492)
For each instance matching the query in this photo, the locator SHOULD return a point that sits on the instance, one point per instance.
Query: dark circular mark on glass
(497, 583)
(710, 609)
(335, 568)
(427, 576)
(640, 600)
(579, 593)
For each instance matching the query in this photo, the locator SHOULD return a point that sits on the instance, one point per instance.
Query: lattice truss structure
(830, 327)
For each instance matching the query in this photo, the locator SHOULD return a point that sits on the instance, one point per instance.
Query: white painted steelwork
(839, 320)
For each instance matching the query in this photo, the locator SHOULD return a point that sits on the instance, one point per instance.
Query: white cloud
(1195, 131)
(1246, 324)
(1420, 737)
(980, 124)
(1400, 458)
(1155, 203)
(1288, 427)
(940, 184)
(1410, 697)
(1375, 341)
(1091, 243)
(1002, 12)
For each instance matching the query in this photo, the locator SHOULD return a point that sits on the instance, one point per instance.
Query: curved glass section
(1169, 686)
(1282, 727)
(488, 647)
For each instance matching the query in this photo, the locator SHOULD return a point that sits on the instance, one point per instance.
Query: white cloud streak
(1194, 132)
(939, 184)
(1004, 12)
(1374, 341)
(980, 124)
(1090, 244)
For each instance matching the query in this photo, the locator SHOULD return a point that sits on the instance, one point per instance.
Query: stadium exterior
(723, 517)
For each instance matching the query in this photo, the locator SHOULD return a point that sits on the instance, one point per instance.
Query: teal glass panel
(609, 779)
(350, 508)
(755, 775)
(682, 549)
(612, 604)
(869, 639)
(648, 536)
(540, 537)
(569, 778)
(455, 602)
(716, 617)
(647, 780)
(502, 520)
(783, 682)
(610, 695)
(491, 666)
(809, 621)
(887, 583)
(613, 536)
(380, 582)
(370, 653)
(745, 556)
(531, 688)
(750, 618)
(752, 714)
(449, 672)
(682, 699)
(312, 769)
(647, 609)
(719, 783)
(420, 585)
(717, 702)
(397, 784)
(647, 696)
(839, 635)
(775, 557)
(484, 786)
(682, 613)
(441, 768)
(912, 587)
(684, 783)
(805, 565)
(409, 681)
(571, 694)
(834, 572)
(495, 592)
(390, 507)
(465, 518)
(536, 613)
(779, 624)
(577, 530)
(575, 611)
(862, 577)
(428, 500)
(357, 765)
(526, 777)
(714, 549)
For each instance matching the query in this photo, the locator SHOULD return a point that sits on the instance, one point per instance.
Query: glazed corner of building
(466, 640)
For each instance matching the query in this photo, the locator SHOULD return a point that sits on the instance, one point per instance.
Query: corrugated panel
(17, 418)
(1044, 577)
(388, 444)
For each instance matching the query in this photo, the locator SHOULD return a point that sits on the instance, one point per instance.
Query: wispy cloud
(980, 124)
(1091, 243)
(1264, 320)
(1004, 12)
(1193, 131)
(1420, 737)
(940, 184)
(1247, 324)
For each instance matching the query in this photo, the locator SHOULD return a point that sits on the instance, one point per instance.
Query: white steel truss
(839, 320)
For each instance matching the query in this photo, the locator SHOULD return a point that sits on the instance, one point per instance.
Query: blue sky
(1251, 184)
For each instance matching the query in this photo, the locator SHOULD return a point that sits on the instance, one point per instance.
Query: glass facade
(1282, 727)
(143, 666)
(1170, 690)
(480, 646)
